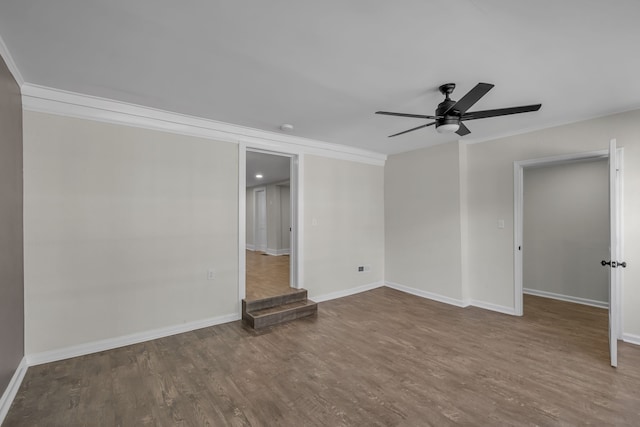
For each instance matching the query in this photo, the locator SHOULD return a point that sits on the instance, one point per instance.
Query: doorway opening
(612, 228)
(270, 253)
(566, 232)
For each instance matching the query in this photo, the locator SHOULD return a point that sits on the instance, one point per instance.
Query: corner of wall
(464, 227)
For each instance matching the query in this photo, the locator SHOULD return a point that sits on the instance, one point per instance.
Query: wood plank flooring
(379, 358)
(267, 275)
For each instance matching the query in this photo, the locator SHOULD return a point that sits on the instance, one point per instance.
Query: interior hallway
(267, 275)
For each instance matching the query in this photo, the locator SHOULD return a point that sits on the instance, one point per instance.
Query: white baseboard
(251, 247)
(277, 252)
(346, 292)
(427, 294)
(111, 343)
(631, 338)
(451, 301)
(493, 307)
(567, 298)
(12, 389)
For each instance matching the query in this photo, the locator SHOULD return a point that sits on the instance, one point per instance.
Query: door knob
(614, 264)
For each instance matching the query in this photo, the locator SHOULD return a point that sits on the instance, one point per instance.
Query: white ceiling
(327, 66)
(274, 169)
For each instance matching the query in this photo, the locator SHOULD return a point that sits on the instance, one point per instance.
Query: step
(259, 304)
(275, 315)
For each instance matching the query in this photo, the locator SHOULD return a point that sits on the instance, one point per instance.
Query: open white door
(613, 254)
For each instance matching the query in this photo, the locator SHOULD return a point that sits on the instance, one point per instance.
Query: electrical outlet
(211, 273)
(360, 268)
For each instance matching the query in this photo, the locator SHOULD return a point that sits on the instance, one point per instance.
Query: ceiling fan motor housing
(446, 119)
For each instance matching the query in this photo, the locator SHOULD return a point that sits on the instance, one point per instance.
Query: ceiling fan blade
(411, 130)
(474, 115)
(471, 98)
(415, 116)
(463, 130)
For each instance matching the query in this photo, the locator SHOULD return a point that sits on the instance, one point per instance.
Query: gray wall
(11, 243)
(422, 221)
(343, 225)
(121, 225)
(566, 230)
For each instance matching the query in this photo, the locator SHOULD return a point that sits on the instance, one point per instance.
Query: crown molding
(54, 101)
(11, 65)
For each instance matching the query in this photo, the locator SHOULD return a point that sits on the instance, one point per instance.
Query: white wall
(343, 224)
(490, 189)
(566, 230)
(423, 222)
(121, 225)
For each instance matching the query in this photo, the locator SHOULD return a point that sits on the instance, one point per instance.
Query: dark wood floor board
(377, 358)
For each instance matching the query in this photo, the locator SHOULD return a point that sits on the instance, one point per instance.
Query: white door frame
(518, 181)
(296, 174)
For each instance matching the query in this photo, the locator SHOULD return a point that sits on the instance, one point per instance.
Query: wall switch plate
(501, 223)
(211, 273)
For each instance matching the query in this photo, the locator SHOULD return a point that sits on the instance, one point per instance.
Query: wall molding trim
(111, 343)
(12, 389)
(452, 301)
(567, 298)
(250, 247)
(631, 338)
(493, 307)
(347, 292)
(11, 65)
(427, 295)
(54, 101)
(278, 252)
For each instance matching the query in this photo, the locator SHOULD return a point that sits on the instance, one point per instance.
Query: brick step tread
(281, 308)
(278, 300)
(276, 315)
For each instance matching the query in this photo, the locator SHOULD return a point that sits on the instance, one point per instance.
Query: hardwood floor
(267, 275)
(379, 358)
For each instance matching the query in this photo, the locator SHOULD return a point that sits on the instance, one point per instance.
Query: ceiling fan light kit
(447, 128)
(450, 114)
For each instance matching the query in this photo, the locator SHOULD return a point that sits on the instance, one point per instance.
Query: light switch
(501, 223)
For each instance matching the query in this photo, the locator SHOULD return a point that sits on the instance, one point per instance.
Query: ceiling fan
(450, 114)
